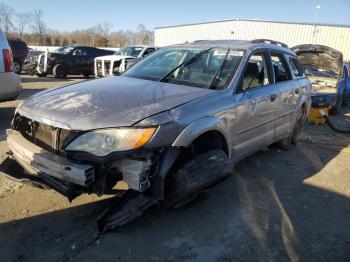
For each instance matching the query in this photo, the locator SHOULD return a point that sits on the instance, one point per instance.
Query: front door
(256, 107)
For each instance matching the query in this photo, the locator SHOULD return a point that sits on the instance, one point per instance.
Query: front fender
(199, 127)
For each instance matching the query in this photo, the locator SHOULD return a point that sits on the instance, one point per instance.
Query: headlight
(105, 141)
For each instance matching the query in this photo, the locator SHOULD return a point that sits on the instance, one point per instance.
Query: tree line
(32, 28)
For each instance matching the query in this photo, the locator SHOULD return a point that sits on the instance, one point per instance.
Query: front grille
(50, 138)
(107, 65)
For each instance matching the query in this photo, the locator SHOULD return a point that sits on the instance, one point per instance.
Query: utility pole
(317, 10)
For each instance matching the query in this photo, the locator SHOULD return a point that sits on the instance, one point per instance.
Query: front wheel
(59, 71)
(195, 175)
(336, 109)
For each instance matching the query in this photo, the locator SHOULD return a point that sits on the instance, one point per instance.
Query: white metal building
(336, 36)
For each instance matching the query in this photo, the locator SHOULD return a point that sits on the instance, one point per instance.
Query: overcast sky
(66, 15)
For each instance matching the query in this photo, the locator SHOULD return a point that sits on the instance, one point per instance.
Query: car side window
(295, 66)
(148, 51)
(80, 52)
(279, 68)
(255, 74)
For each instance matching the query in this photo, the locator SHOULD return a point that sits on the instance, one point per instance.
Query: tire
(291, 141)
(183, 184)
(41, 75)
(86, 74)
(59, 71)
(17, 67)
(336, 109)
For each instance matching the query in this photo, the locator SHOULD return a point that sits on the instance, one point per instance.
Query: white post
(318, 7)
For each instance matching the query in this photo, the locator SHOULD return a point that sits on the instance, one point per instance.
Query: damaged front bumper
(30, 164)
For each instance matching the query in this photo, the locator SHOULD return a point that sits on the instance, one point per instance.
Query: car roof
(241, 44)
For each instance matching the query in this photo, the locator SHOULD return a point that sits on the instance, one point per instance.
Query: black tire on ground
(336, 109)
(41, 74)
(195, 175)
(17, 67)
(291, 141)
(86, 74)
(59, 71)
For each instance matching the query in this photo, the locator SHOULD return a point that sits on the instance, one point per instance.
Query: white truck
(118, 62)
(10, 82)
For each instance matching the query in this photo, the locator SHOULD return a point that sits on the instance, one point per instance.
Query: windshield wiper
(188, 61)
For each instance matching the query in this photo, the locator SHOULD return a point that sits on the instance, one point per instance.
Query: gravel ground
(277, 206)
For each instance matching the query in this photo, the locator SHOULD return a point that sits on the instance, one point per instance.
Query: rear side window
(255, 74)
(295, 66)
(279, 68)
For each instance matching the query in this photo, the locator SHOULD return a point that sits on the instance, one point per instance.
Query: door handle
(273, 97)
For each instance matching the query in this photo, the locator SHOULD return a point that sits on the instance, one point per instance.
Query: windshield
(130, 51)
(194, 66)
(64, 50)
(311, 70)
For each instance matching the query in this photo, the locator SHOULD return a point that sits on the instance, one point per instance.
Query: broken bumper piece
(30, 164)
(14, 171)
(36, 160)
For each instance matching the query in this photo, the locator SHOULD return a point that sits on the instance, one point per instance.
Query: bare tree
(107, 27)
(21, 22)
(38, 25)
(6, 15)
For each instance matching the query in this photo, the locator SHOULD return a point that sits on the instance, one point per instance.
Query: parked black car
(20, 51)
(69, 60)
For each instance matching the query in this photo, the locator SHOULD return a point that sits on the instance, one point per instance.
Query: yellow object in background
(316, 117)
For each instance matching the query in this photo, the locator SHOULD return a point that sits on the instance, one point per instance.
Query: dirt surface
(277, 206)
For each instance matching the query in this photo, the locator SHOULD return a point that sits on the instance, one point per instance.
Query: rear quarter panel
(3, 45)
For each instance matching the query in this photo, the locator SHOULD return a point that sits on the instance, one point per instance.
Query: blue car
(325, 69)
(346, 72)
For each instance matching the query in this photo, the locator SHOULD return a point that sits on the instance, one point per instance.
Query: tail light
(8, 60)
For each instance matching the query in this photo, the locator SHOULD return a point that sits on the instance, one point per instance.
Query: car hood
(320, 56)
(108, 102)
(113, 57)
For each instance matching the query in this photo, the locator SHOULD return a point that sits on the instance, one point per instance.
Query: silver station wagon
(169, 126)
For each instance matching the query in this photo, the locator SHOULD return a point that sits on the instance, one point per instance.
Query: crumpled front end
(324, 92)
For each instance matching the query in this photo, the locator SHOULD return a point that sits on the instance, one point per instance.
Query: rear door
(290, 88)
(256, 106)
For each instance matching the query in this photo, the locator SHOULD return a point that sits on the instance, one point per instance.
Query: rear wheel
(17, 67)
(59, 71)
(185, 182)
(86, 74)
(291, 141)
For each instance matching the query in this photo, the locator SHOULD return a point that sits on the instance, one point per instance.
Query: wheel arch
(202, 127)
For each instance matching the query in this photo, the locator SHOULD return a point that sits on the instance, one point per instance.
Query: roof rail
(268, 41)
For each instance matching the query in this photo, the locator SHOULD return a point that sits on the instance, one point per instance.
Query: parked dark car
(324, 66)
(169, 126)
(31, 62)
(69, 60)
(20, 51)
